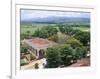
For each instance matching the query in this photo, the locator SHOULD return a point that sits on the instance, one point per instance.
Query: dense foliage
(64, 55)
(54, 38)
(23, 49)
(45, 32)
(82, 36)
(52, 57)
(73, 42)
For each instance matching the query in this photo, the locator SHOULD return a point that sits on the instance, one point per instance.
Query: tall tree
(73, 42)
(80, 52)
(53, 57)
(84, 37)
(66, 54)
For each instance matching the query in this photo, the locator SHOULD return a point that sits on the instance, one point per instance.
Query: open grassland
(31, 28)
(82, 28)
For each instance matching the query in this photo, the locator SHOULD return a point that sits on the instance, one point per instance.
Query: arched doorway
(41, 53)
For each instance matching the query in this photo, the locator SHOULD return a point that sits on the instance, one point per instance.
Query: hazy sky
(33, 14)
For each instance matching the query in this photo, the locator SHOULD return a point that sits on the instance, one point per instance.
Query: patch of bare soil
(81, 63)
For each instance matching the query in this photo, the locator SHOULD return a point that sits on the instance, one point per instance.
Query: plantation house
(37, 46)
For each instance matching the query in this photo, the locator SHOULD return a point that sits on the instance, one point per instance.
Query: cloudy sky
(34, 14)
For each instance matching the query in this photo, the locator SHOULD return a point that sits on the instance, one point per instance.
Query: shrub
(36, 66)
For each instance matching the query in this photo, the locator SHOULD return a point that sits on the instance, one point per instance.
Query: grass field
(32, 28)
(24, 29)
(82, 28)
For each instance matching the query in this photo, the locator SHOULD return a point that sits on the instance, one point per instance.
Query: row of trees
(64, 55)
(73, 25)
(83, 37)
(45, 32)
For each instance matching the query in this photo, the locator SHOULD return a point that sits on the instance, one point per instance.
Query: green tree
(54, 38)
(80, 52)
(53, 57)
(73, 42)
(66, 29)
(66, 54)
(36, 33)
(84, 37)
(23, 36)
(23, 49)
(45, 32)
(61, 28)
(28, 32)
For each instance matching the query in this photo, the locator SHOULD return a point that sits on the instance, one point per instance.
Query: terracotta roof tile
(39, 41)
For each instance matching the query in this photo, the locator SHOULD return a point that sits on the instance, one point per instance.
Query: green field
(24, 29)
(82, 28)
(32, 28)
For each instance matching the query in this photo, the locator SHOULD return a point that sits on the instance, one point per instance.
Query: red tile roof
(39, 41)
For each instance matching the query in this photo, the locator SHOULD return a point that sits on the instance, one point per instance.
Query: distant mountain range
(58, 20)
